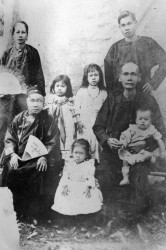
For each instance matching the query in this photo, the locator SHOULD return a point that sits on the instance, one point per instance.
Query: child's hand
(97, 183)
(124, 144)
(65, 191)
(80, 127)
(87, 192)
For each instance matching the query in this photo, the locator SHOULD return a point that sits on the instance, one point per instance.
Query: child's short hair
(89, 68)
(83, 143)
(144, 109)
(126, 13)
(66, 80)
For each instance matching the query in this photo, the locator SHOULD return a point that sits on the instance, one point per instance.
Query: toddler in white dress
(138, 132)
(78, 191)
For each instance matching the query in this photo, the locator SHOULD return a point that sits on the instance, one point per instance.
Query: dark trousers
(26, 185)
(109, 175)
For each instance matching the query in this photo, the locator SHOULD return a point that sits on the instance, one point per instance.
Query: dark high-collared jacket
(30, 68)
(145, 52)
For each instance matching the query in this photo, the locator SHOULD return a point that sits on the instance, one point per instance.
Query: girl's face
(93, 78)
(79, 154)
(60, 88)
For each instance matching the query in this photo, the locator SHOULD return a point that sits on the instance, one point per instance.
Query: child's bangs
(91, 68)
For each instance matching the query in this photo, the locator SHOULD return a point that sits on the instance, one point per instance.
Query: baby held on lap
(9, 234)
(139, 132)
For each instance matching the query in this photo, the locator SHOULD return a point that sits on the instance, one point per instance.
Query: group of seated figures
(101, 138)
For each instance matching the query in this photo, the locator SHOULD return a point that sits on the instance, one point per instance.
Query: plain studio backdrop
(70, 34)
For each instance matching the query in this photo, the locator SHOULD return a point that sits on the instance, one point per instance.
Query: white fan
(10, 82)
(34, 148)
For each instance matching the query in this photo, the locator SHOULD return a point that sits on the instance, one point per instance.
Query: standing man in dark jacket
(143, 51)
(34, 180)
(117, 112)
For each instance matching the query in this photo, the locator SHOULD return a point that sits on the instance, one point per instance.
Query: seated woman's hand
(136, 147)
(114, 143)
(14, 161)
(42, 164)
(65, 191)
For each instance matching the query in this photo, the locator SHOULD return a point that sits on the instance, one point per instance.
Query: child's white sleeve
(156, 134)
(65, 179)
(126, 135)
(49, 103)
(104, 95)
(72, 109)
(78, 103)
(90, 175)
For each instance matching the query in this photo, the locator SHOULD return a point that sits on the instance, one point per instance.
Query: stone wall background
(70, 34)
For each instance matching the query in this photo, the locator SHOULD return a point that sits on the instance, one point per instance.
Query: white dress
(78, 177)
(68, 118)
(88, 102)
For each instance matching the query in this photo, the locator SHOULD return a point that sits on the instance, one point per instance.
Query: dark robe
(145, 52)
(113, 118)
(27, 183)
(27, 64)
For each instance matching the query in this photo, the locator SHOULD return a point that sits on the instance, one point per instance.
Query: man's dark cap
(35, 90)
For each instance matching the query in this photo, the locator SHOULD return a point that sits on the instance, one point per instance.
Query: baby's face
(143, 119)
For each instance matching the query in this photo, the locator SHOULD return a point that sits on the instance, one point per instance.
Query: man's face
(35, 103)
(127, 27)
(129, 76)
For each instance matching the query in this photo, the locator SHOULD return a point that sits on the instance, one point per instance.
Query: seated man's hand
(136, 147)
(42, 164)
(114, 143)
(14, 160)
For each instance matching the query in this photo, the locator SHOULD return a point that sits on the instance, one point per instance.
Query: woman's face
(20, 34)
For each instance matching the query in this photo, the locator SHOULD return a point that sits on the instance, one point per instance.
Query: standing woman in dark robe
(24, 61)
(23, 58)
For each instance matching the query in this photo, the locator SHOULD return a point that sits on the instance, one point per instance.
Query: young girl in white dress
(60, 104)
(88, 101)
(78, 191)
